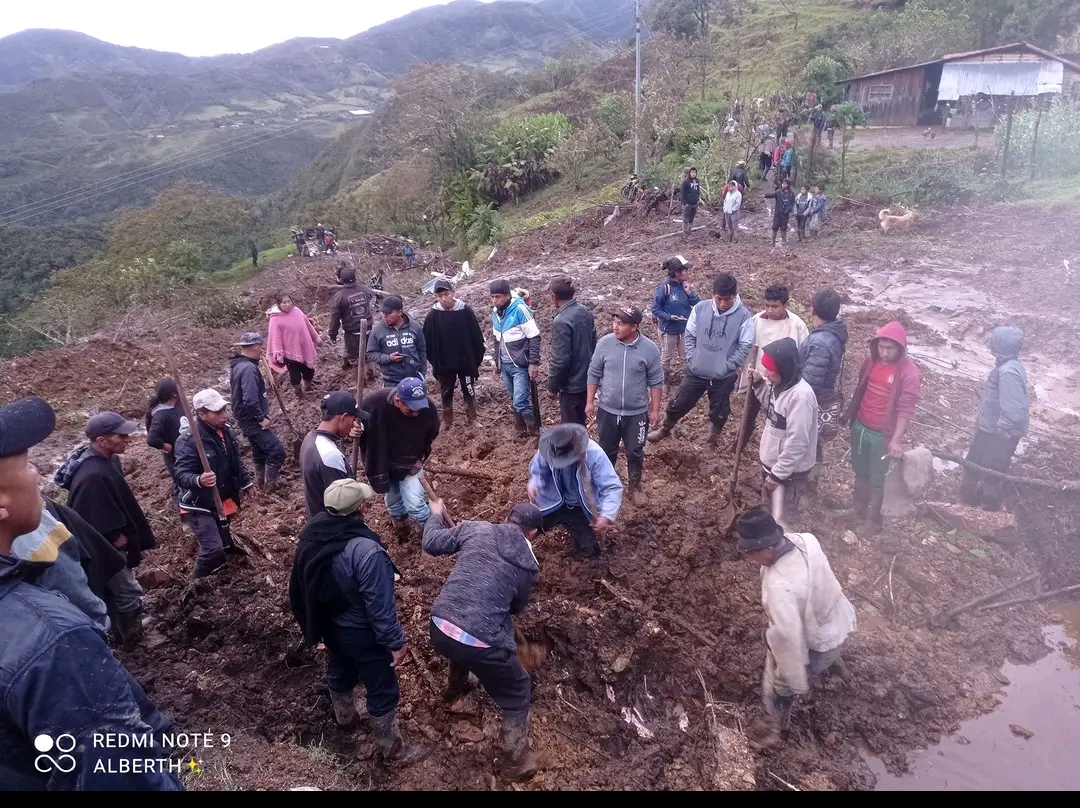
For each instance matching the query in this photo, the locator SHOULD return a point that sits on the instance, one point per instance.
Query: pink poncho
(291, 336)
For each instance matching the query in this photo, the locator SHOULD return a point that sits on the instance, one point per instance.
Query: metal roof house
(914, 95)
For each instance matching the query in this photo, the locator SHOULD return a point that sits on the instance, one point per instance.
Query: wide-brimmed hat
(563, 445)
(756, 530)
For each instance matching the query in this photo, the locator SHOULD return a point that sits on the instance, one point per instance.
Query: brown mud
(651, 691)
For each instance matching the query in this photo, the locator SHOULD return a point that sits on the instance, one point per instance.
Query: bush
(223, 311)
(923, 177)
(1057, 149)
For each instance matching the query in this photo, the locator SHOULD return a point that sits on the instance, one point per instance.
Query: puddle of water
(985, 754)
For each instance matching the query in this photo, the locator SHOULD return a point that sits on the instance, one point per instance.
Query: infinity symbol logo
(45, 762)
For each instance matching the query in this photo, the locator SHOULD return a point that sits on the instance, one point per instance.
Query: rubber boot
(401, 528)
(532, 424)
(872, 526)
(637, 496)
(129, 627)
(273, 475)
(518, 762)
(448, 416)
(457, 684)
(344, 710)
(470, 413)
(309, 385)
(769, 731)
(389, 743)
(860, 500)
(663, 430)
(346, 363)
(714, 434)
(299, 391)
(260, 475)
(205, 566)
(520, 425)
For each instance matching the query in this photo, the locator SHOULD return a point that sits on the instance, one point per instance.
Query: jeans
(406, 497)
(518, 387)
(125, 592)
(576, 521)
(672, 346)
(354, 656)
(631, 431)
(499, 671)
(694, 387)
(449, 381)
(867, 451)
(352, 345)
(211, 544)
(299, 371)
(993, 452)
(266, 449)
(572, 408)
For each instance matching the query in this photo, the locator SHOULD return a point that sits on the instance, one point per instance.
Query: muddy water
(987, 753)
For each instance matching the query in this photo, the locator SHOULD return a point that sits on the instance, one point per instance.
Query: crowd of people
(67, 572)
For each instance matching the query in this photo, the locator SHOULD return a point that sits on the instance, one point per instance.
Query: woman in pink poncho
(291, 342)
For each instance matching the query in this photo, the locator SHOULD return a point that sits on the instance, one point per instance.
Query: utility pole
(637, 85)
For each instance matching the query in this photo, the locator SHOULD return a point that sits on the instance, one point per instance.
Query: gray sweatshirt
(492, 579)
(717, 343)
(625, 372)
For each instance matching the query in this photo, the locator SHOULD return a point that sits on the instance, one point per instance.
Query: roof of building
(952, 57)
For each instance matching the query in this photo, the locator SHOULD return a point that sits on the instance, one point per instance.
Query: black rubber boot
(344, 709)
(205, 566)
(273, 475)
(518, 762)
(470, 413)
(448, 416)
(714, 433)
(391, 747)
(532, 423)
(520, 425)
(129, 627)
(260, 475)
(872, 526)
(299, 391)
(860, 499)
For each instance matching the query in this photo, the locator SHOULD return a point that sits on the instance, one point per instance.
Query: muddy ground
(650, 691)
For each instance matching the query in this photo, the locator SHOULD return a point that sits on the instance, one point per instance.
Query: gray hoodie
(625, 373)
(492, 579)
(1003, 409)
(408, 340)
(717, 343)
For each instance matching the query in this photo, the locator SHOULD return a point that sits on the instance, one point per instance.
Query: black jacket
(691, 192)
(223, 453)
(393, 443)
(822, 354)
(739, 175)
(165, 429)
(321, 463)
(250, 404)
(349, 308)
(573, 340)
(455, 343)
(785, 204)
(99, 559)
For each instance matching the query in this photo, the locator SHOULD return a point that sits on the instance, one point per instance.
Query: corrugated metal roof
(956, 56)
(959, 79)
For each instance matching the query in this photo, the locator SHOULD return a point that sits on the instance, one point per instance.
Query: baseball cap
(210, 400)
(526, 515)
(629, 314)
(23, 424)
(392, 303)
(413, 392)
(250, 338)
(443, 285)
(500, 287)
(343, 497)
(339, 403)
(109, 423)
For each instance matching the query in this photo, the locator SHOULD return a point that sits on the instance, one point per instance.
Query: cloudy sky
(204, 27)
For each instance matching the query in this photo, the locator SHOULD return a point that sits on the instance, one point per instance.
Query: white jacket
(732, 201)
(806, 608)
(789, 441)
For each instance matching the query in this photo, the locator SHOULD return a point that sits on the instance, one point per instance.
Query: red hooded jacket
(906, 387)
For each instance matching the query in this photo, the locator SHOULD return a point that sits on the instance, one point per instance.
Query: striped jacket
(517, 337)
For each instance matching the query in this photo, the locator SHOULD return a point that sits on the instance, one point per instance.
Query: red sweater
(907, 383)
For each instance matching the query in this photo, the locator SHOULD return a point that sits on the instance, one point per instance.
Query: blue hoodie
(672, 300)
(555, 487)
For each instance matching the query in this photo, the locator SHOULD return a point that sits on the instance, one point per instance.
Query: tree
(918, 33)
(848, 115)
(688, 18)
(999, 22)
(820, 77)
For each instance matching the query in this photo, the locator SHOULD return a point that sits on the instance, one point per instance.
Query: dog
(890, 221)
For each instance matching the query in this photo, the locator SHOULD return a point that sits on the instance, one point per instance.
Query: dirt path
(629, 697)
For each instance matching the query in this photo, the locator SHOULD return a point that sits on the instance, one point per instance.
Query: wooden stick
(1053, 593)
(361, 372)
(741, 438)
(1063, 485)
(945, 617)
(582, 743)
(784, 782)
(433, 496)
(281, 403)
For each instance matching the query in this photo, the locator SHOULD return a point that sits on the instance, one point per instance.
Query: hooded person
(690, 195)
(455, 347)
(517, 352)
(788, 449)
(783, 207)
(251, 408)
(574, 484)
(809, 617)
(1001, 423)
(881, 408)
(472, 618)
(163, 415)
(396, 345)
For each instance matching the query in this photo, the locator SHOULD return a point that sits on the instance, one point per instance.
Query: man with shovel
(251, 407)
(227, 474)
(471, 619)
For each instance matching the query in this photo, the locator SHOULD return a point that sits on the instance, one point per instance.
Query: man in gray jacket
(573, 340)
(1001, 423)
(628, 373)
(471, 621)
(718, 337)
(397, 344)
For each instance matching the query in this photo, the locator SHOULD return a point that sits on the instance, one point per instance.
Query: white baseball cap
(210, 400)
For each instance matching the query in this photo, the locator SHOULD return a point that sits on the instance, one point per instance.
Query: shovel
(740, 445)
(298, 440)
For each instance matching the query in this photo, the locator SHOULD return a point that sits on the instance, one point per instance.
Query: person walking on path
(881, 408)
(397, 345)
(809, 618)
(292, 343)
(472, 618)
(732, 207)
(784, 205)
(341, 592)
(517, 352)
(718, 337)
(788, 449)
(321, 459)
(672, 304)
(627, 376)
(574, 484)
(227, 474)
(401, 428)
(573, 340)
(251, 407)
(408, 252)
(163, 415)
(1001, 423)
(99, 493)
(803, 204)
(455, 346)
(689, 195)
(350, 309)
(822, 358)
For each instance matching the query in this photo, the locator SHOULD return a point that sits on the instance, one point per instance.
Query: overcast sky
(205, 27)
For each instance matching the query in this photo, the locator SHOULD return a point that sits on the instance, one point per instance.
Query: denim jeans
(125, 591)
(516, 381)
(407, 498)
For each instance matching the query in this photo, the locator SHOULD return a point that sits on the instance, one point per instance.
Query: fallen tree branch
(784, 782)
(637, 605)
(945, 617)
(1053, 593)
(247, 539)
(1063, 485)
